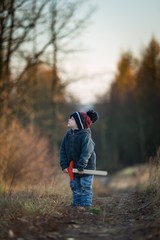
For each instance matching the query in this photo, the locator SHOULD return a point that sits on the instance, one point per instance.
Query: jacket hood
(77, 131)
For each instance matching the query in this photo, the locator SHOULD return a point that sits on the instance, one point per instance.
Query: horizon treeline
(129, 131)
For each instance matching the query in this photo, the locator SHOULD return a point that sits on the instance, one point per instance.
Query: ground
(113, 217)
(123, 214)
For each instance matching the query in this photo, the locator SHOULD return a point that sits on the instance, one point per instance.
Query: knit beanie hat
(85, 119)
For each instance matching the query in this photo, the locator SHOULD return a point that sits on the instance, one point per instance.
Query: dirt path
(118, 216)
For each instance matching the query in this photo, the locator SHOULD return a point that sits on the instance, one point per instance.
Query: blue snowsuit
(77, 145)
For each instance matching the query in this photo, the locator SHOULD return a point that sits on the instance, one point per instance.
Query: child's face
(72, 123)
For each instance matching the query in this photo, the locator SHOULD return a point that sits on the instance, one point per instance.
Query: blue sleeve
(87, 149)
(63, 155)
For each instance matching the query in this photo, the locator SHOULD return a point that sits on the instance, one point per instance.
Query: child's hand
(65, 170)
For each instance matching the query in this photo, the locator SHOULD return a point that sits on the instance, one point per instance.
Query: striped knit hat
(85, 119)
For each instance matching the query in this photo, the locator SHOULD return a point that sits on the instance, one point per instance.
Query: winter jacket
(77, 145)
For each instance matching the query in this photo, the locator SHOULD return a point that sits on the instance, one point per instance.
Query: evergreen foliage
(131, 131)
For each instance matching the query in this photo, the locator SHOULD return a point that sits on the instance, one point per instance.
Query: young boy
(77, 145)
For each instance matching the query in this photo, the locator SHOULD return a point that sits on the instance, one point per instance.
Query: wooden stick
(91, 172)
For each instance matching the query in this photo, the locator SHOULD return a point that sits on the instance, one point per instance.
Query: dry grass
(150, 196)
(153, 188)
(25, 211)
(35, 200)
(33, 203)
(25, 156)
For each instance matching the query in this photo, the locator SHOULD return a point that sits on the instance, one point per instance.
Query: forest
(34, 105)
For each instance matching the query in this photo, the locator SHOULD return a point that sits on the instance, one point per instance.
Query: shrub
(25, 155)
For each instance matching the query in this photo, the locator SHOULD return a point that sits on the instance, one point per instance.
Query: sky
(116, 26)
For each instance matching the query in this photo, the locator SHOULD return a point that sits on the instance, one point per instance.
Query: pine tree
(148, 98)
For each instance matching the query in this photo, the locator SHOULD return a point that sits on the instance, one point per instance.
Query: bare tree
(19, 20)
(16, 25)
(31, 29)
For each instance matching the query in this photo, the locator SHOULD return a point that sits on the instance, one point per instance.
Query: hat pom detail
(93, 115)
